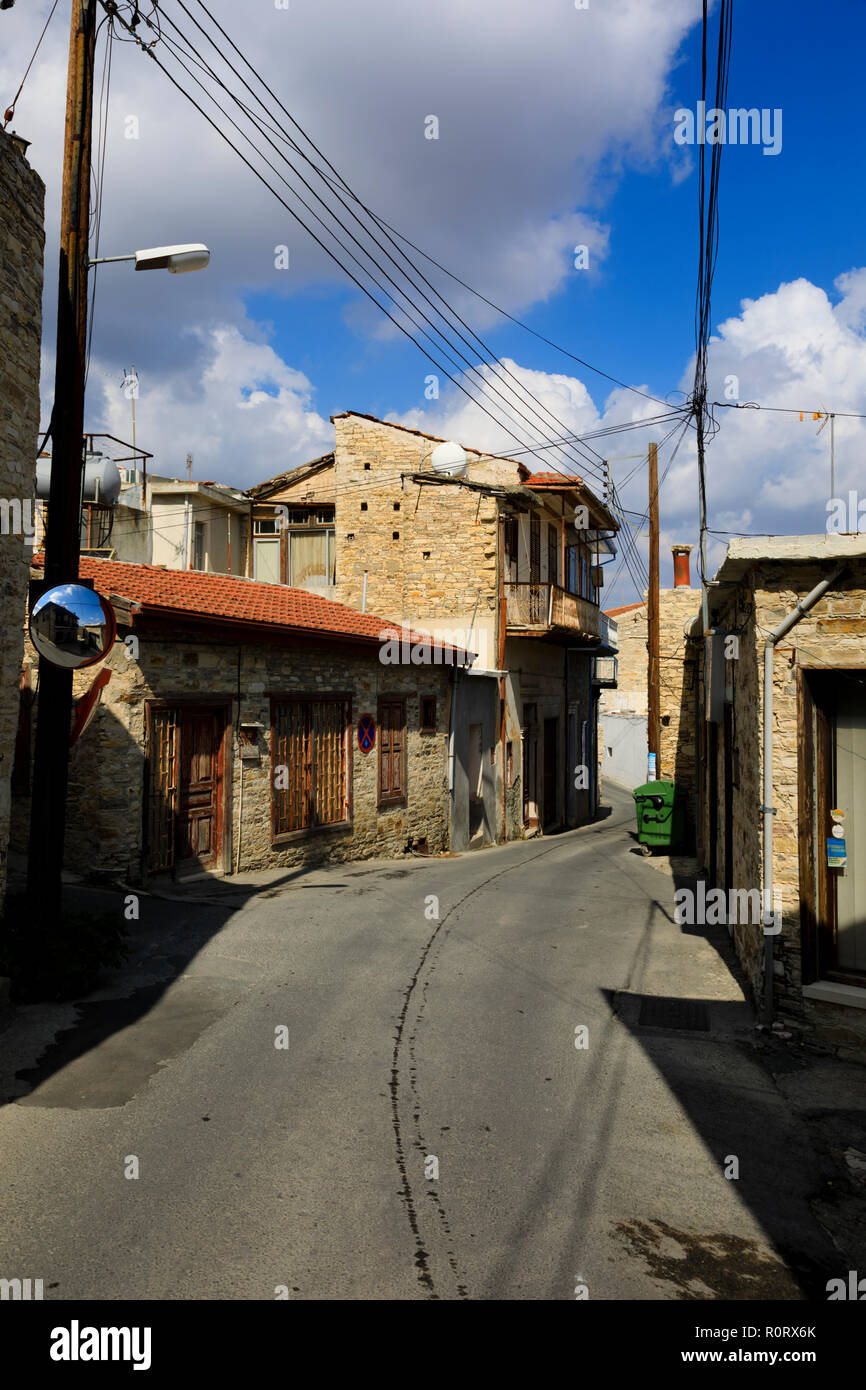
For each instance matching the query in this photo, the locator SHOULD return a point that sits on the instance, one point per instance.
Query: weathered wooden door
(530, 765)
(185, 755)
(200, 784)
(551, 764)
(850, 798)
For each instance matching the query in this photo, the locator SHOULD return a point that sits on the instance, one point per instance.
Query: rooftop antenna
(189, 466)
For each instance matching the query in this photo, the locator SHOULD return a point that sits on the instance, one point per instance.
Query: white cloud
(766, 472)
(249, 411)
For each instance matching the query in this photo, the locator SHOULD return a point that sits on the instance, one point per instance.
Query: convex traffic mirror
(72, 626)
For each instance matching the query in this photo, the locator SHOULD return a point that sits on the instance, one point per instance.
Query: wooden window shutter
(392, 750)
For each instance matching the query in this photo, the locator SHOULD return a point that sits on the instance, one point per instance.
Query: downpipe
(770, 925)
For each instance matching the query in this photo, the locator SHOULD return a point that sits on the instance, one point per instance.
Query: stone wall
(832, 635)
(430, 553)
(630, 695)
(107, 769)
(22, 242)
(677, 657)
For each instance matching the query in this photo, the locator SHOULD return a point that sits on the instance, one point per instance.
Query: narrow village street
(478, 1104)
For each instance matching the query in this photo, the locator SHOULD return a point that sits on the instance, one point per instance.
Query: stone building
(21, 251)
(623, 710)
(489, 556)
(815, 956)
(233, 733)
(622, 707)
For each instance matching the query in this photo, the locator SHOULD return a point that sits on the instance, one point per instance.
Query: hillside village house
(622, 709)
(176, 522)
(812, 972)
(235, 733)
(490, 558)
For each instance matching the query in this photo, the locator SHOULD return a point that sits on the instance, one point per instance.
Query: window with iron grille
(392, 750)
(309, 763)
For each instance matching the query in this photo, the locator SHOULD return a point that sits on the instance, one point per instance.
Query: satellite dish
(449, 459)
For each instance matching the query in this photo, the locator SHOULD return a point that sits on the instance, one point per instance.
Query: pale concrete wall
(22, 242)
(623, 742)
(169, 527)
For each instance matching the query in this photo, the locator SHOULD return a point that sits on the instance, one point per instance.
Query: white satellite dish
(449, 459)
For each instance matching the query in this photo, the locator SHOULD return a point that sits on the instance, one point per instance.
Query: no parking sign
(366, 733)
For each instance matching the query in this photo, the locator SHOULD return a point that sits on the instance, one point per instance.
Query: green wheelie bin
(660, 808)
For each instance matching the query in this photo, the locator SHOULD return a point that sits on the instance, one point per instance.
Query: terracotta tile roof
(554, 480)
(192, 594)
(626, 608)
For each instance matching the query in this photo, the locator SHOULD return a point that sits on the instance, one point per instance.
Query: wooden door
(551, 763)
(198, 819)
(729, 805)
(530, 766)
(850, 797)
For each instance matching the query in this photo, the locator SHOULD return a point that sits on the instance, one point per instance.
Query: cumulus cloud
(248, 408)
(532, 102)
(767, 473)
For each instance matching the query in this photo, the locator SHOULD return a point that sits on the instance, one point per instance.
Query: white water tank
(449, 459)
(101, 481)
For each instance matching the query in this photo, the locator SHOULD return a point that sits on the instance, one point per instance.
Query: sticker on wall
(366, 733)
(836, 855)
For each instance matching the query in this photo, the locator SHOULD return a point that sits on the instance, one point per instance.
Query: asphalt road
(432, 1130)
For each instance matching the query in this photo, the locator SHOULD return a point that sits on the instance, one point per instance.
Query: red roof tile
(626, 608)
(553, 480)
(191, 593)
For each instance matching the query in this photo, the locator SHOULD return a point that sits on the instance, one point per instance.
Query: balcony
(604, 672)
(546, 608)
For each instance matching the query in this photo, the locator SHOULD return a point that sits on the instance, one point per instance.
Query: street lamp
(176, 259)
(63, 536)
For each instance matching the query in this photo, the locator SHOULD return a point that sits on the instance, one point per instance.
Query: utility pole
(653, 711)
(62, 541)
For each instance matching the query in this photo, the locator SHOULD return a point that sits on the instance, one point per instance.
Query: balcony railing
(547, 608)
(604, 671)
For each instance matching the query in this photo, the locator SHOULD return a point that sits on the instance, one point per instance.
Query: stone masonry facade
(832, 635)
(107, 773)
(22, 241)
(630, 695)
(677, 658)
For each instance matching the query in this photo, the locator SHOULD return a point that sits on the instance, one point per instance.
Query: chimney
(681, 565)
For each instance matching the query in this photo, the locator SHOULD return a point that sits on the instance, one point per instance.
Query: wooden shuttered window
(163, 735)
(309, 755)
(392, 750)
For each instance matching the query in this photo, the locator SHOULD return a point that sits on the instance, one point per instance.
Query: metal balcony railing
(604, 671)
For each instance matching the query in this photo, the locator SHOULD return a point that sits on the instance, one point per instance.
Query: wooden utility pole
(653, 711)
(62, 541)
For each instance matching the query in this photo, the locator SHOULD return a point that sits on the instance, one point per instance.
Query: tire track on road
(429, 957)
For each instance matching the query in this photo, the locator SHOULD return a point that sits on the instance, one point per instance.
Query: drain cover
(658, 1012)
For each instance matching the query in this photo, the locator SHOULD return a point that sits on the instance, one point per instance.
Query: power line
(788, 410)
(388, 228)
(486, 381)
(10, 110)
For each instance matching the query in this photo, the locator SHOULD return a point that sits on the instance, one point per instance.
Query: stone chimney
(681, 565)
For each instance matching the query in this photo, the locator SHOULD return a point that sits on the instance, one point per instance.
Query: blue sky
(800, 213)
